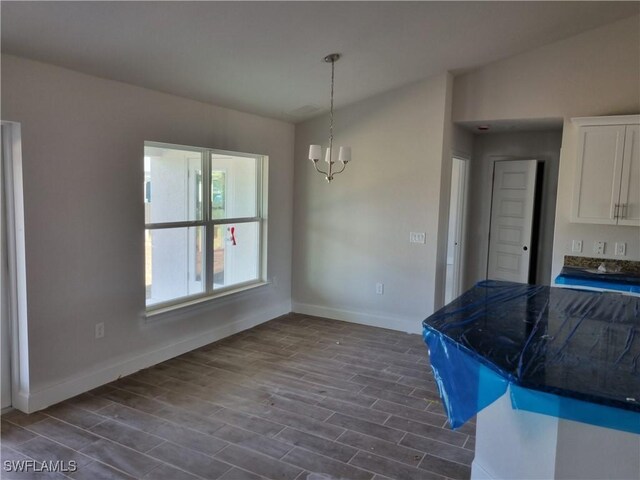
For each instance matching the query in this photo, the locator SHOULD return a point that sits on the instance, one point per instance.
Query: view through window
(204, 222)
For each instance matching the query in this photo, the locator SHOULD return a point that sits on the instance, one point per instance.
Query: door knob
(525, 248)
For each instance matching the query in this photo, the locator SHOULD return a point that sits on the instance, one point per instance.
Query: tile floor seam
(181, 468)
(333, 459)
(379, 439)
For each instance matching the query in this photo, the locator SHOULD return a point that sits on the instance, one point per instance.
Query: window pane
(172, 185)
(236, 254)
(233, 186)
(174, 263)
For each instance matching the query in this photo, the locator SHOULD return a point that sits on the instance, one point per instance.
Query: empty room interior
(320, 240)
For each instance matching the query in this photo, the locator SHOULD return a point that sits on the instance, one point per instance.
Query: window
(204, 223)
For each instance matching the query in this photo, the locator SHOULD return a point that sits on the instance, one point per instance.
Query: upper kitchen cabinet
(607, 182)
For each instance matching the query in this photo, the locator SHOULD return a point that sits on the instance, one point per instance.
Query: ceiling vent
(305, 111)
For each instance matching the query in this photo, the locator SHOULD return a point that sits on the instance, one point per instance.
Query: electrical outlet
(417, 237)
(380, 288)
(598, 248)
(100, 330)
(577, 246)
(621, 248)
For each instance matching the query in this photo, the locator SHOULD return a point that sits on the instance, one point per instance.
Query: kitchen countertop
(577, 344)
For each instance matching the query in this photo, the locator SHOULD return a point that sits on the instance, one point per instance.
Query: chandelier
(315, 151)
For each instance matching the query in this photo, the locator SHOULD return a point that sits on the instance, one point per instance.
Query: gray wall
(591, 74)
(544, 146)
(354, 232)
(83, 141)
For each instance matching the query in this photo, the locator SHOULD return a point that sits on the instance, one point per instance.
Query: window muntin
(196, 198)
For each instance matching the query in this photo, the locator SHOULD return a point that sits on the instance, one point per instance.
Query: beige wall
(591, 74)
(354, 232)
(82, 144)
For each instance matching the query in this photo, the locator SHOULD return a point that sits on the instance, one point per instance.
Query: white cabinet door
(630, 185)
(597, 188)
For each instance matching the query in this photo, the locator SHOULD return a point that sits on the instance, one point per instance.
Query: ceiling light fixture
(315, 151)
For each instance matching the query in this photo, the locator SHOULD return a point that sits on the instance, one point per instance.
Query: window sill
(162, 311)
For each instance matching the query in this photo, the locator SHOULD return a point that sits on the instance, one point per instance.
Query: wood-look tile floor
(295, 398)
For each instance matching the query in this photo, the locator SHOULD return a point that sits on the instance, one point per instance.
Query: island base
(516, 444)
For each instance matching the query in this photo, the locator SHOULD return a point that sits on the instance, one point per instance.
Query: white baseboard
(50, 395)
(402, 324)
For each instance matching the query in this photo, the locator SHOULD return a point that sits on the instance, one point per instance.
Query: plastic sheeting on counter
(567, 353)
(597, 283)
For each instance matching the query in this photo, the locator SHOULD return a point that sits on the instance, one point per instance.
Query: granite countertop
(630, 267)
(584, 345)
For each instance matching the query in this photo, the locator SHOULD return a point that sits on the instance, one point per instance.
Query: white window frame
(209, 225)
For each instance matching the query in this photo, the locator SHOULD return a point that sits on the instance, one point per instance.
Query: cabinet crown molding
(610, 120)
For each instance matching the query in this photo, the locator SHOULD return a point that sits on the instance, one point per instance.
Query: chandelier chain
(333, 63)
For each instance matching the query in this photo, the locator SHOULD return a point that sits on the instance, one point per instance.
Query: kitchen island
(552, 374)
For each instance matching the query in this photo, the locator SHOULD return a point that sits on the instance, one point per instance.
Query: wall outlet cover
(417, 237)
(100, 330)
(598, 248)
(380, 288)
(576, 247)
(621, 248)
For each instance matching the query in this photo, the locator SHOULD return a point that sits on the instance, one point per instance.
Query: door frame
(17, 291)
(461, 224)
(459, 259)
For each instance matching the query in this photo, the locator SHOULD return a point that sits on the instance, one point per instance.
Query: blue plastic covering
(576, 410)
(567, 353)
(472, 387)
(573, 281)
(588, 277)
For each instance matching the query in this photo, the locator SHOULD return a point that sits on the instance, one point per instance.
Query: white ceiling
(265, 57)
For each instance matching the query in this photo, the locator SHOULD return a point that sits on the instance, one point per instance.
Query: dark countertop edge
(584, 397)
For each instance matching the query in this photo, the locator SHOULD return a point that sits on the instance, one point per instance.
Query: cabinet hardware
(615, 211)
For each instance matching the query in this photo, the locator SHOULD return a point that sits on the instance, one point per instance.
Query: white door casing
(5, 330)
(458, 262)
(512, 206)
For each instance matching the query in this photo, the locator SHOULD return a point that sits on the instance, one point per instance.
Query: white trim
(233, 291)
(609, 120)
(101, 375)
(16, 255)
(401, 324)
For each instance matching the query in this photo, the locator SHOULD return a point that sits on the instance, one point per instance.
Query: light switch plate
(621, 249)
(598, 248)
(417, 237)
(576, 247)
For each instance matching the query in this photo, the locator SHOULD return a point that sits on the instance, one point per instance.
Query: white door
(5, 356)
(629, 213)
(514, 184)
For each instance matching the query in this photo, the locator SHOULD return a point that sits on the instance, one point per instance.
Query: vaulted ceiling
(266, 57)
